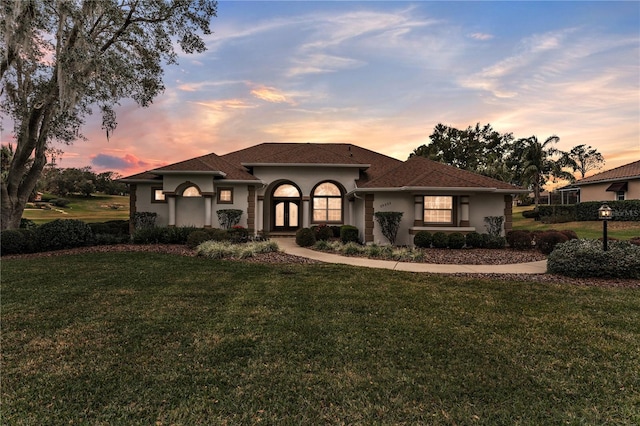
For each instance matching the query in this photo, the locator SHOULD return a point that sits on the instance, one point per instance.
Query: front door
(286, 215)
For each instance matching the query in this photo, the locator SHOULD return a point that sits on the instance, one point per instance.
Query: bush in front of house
(349, 233)
(531, 214)
(27, 224)
(389, 223)
(456, 240)
(548, 240)
(323, 232)
(520, 240)
(586, 258)
(229, 250)
(18, 241)
(305, 237)
(473, 240)
(63, 234)
(422, 239)
(162, 235)
(336, 231)
(197, 237)
(440, 240)
(495, 242)
(110, 232)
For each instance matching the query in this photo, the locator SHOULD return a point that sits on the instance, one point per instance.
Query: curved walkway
(288, 245)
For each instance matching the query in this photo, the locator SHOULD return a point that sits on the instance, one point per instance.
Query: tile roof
(422, 172)
(627, 171)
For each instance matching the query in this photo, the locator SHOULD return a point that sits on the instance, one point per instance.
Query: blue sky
(382, 74)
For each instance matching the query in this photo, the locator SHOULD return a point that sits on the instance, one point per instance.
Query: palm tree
(539, 165)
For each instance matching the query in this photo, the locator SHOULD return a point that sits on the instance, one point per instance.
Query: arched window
(286, 190)
(327, 203)
(286, 206)
(191, 191)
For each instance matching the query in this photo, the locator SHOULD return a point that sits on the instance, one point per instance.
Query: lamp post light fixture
(604, 214)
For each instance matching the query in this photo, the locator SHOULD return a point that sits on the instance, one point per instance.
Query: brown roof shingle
(210, 163)
(627, 171)
(422, 172)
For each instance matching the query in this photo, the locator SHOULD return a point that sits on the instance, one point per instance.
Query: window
(438, 209)
(286, 190)
(157, 195)
(327, 203)
(225, 195)
(191, 191)
(620, 195)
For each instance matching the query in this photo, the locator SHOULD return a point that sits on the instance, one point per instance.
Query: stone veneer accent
(508, 213)
(368, 218)
(132, 207)
(251, 208)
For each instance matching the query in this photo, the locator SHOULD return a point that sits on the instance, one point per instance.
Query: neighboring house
(282, 187)
(621, 183)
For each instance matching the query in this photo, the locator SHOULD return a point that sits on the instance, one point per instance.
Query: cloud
(481, 36)
(124, 163)
(270, 94)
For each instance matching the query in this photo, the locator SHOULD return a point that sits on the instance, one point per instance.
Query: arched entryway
(286, 207)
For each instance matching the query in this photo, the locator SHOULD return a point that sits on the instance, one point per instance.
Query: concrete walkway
(288, 245)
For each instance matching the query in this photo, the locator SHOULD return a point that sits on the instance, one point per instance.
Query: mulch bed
(474, 256)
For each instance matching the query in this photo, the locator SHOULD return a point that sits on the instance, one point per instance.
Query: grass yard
(97, 208)
(589, 230)
(139, 338)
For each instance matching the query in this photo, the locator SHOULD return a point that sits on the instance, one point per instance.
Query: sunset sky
(382, 74)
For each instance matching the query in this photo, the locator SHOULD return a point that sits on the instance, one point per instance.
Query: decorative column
(251, 209)
(368, 218)
(260, 214)
(305, 211)
(464, 211)
(171, 199)
(208, 200)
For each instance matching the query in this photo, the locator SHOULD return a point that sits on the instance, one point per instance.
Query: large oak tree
(59, 59)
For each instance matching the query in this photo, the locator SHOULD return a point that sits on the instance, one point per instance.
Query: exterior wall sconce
(605, 213)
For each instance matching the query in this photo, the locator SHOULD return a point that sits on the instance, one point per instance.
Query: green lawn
(139, 338)
(589, 230)
(97, 208)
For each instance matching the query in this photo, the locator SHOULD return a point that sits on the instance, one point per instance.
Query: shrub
(440, 240)
(238, 234)
(494, 225)
(336, 231)
(229, 217)
(569, 234)
(557, 213)
(586, 258)
(63, 234)
(226, 249)
(548, 240)
(112, 227)
(27, 224)
(323, 232)
(60, 202)
(161, 235)
(422, 239)
(144, 220)
(17, 241)
(389, 224)
(351, 249)
(520, 240)
(305, 237)
(495, 242)
(531, 214)
(624, 210)
(197, 237)
(473, 239)
(456, 240)
(349, 234)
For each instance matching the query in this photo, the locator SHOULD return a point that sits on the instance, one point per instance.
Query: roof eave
(190, 172)
(441, 189)
(360, 166)
(618, 179)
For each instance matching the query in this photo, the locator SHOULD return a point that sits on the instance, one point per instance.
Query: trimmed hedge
(63, 234)
(586, 258)
(305, 237)
(548, 240)
(627, 210)
(456, 240)
(520, 240)
(473, 240)
(18, 241)
(557, 213)
(440, 240)
(422, 239)
(349, 234)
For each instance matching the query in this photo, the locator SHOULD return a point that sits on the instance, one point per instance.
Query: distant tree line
(526, 162)
(83, 181)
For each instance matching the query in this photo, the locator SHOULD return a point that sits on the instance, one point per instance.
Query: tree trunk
(12, 209)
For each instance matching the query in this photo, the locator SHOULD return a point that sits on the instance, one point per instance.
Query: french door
(286, 215)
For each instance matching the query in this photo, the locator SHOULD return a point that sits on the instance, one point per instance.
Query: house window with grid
(327, 203)
(225, 195)
(157, 195)
(438, 209)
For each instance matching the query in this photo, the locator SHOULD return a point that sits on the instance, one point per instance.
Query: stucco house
(282, 187)
(621, 183)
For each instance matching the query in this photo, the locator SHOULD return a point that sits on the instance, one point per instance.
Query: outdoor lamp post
(604, 214)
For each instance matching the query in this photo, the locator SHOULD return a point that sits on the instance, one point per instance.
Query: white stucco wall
(144, 204)
(395, 202)
(482, 205)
